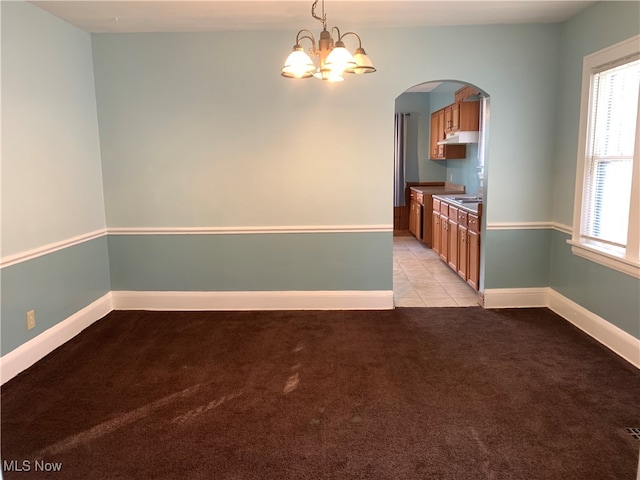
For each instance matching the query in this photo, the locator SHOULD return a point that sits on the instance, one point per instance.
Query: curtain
(399, 158)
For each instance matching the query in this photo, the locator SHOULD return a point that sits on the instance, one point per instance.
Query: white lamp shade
(298, 64)
(363, 63)
(329, 75)
(340, 59)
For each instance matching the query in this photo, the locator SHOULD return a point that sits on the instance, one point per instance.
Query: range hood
(459, 138)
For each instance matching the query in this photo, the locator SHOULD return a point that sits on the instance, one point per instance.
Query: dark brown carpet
(450, 393)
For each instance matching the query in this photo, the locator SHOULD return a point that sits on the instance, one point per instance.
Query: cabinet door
(448, 119)
(427, 225)
(463, 250)
(455, 117)
(452, 258)
(435, 137)
(436, 234)
(473, 249)
(412, 218)
(469, 116)
(444, 238)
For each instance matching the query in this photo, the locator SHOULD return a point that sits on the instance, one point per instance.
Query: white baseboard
(612, 337)
(30, 352)
(516, 297)
(621, 342)
(265, 300)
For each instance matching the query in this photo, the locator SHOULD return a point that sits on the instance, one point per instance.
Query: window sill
(611, 260)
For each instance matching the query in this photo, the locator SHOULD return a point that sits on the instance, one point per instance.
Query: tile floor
(421, 279)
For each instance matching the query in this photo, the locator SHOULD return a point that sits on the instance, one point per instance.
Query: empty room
(318, 239)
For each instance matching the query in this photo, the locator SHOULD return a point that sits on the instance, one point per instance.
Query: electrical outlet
(31, 319)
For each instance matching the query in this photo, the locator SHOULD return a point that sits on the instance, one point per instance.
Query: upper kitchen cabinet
(465, 93)
(438, 134)
(461, 116)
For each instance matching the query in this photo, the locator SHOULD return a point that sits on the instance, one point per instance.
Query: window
(607, 215)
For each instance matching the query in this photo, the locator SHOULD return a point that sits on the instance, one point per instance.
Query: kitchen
(438, 192)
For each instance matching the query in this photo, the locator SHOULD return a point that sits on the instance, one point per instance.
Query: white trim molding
(561, 227)
(16, 258)
(30, 352)
(20, 257)
(612, 337)
(516, 297)
(250, 230)
(621, 342)
(264, 300)
(621, 264)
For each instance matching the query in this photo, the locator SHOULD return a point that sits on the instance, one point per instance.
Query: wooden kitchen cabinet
(435, 242)
(462, 115)
(452, 235)
(415, 214)
(464, 93)
(438, 133)
(463, 255)
(449, 122)
(473, 252)
(456, 239)
(467, 117)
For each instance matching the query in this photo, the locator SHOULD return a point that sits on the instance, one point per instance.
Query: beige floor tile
(441, 302)
(421, 279)
(409, 302)
(432, 292)
(458, 288)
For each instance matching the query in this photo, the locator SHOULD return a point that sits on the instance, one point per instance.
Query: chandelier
(328, 59)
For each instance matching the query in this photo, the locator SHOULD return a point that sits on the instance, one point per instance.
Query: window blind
(610, 149)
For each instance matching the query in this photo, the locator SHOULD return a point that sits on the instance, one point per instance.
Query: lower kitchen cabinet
(415, 214)
(473, 252)
(456, 238)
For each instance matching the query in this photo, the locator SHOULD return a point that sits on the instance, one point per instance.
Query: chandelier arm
(308, 35)
(340, 37)
(322, 19)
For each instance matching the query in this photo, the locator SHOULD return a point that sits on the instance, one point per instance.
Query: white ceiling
(214, 15)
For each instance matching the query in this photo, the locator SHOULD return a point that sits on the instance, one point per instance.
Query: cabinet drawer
(444, 208)
(436, 204)
(453, 213)
(473, 223)
(462, 218)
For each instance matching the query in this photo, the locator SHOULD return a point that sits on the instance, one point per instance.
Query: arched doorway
(443, 126)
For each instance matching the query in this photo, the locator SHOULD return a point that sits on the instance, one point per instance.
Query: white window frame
(628, 262)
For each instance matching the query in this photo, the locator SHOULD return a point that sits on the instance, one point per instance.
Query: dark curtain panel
(399, 158)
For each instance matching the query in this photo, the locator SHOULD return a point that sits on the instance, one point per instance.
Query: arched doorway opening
(441, 133)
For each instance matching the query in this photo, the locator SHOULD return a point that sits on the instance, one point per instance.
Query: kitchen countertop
(439, 190)
(459, 201)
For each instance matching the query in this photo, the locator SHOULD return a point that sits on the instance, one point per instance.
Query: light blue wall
(185, 126)
(524, 258)
(191, 136)
(610, 294)
(55, 285)
(267, 262)
(51, 172)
